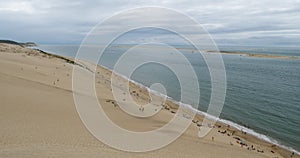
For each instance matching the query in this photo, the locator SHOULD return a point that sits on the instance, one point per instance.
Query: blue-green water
(262, 93)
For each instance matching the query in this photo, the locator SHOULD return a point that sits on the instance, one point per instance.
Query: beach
(39, 118)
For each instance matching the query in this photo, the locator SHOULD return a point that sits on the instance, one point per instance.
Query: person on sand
(292, 155)
(243, 132)
(213, 138)
(141, 109)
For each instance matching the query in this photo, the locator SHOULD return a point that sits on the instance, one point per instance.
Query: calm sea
(263, 94)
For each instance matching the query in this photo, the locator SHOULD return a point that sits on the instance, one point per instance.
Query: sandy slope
(38, 116)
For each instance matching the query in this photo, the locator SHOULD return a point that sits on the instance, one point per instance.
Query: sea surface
(262, 97)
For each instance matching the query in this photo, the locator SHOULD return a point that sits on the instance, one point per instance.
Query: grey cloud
(68, 21)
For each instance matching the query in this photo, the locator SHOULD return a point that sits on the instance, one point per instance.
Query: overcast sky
(264, 22)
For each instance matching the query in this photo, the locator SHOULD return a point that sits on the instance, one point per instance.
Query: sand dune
(39, 119)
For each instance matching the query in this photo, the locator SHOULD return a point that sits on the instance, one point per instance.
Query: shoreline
(172, 105)
(201, 114)
(225, 122)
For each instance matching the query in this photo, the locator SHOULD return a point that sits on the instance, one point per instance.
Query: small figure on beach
(243, 132)
(222, 132)
(212, 138)
(260, 150)
(141, 109)
(293, 153)
(228, 127)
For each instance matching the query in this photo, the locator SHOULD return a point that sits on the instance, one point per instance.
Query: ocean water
(262, 93)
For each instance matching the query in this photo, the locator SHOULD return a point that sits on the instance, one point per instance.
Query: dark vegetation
(27, 44)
